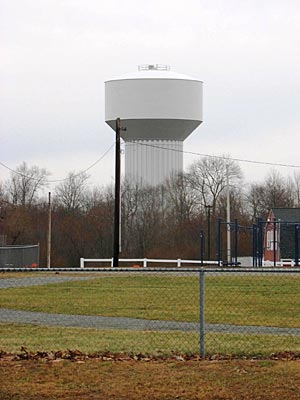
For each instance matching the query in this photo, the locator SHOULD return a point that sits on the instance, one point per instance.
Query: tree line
(156, 222)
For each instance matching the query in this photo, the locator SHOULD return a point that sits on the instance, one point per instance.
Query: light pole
(228, 217)
(208, 210)
(49, 233)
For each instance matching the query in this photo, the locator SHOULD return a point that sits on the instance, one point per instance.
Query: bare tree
(2, 193)
(274, 191)
(296, 188)
(70, 193)
(277, 191)
(25, 184)
(141, 217)
(181, 200)
(255, 200)
(207, 177)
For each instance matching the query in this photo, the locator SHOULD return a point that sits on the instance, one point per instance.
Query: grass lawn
(152, 297)
(230, 380)
(242, 300)
(234, 299)
(40, 338)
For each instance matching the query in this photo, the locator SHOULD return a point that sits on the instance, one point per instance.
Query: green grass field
(150, 297)
(229, 299)
(41, 338)
(241, 300)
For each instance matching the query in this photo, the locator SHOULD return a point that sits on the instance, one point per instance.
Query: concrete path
(7, 283)
(99, 322)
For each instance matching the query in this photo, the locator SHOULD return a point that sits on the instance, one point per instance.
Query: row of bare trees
(163, 221)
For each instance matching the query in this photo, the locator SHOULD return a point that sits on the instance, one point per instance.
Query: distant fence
(145, 261)
(19, 256)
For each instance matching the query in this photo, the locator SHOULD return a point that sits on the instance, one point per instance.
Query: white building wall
(152, 162)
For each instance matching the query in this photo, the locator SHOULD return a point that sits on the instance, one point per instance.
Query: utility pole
(228, 217)
(117, 194)
(49, 233)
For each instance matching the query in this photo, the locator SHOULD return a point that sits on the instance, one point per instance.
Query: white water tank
(159, 109)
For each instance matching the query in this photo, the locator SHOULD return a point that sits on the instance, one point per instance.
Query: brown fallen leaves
(77, 355)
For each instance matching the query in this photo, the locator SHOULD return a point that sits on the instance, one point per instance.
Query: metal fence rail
(205, 311)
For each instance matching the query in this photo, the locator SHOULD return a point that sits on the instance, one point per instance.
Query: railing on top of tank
(155, 67)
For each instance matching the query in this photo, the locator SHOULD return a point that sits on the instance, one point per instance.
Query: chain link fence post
(202, 315)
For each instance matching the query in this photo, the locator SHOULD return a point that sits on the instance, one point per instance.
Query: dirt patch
(72, 375)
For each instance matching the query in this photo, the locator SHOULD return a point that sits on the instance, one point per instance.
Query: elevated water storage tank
(160, 109)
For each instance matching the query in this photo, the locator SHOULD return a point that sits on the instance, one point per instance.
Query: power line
(85, 170)
(164, 148)
(12, 170)
(63, 179)
(218, 157)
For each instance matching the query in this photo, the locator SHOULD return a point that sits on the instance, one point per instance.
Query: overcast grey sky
(56, 55)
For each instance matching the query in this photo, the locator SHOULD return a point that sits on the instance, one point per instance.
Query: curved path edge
(100, 322)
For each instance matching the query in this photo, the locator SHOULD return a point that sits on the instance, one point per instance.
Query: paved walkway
(99, 322)
(6, 283)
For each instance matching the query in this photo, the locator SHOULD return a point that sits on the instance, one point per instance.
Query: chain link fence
(19, 256)
(239, 312)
